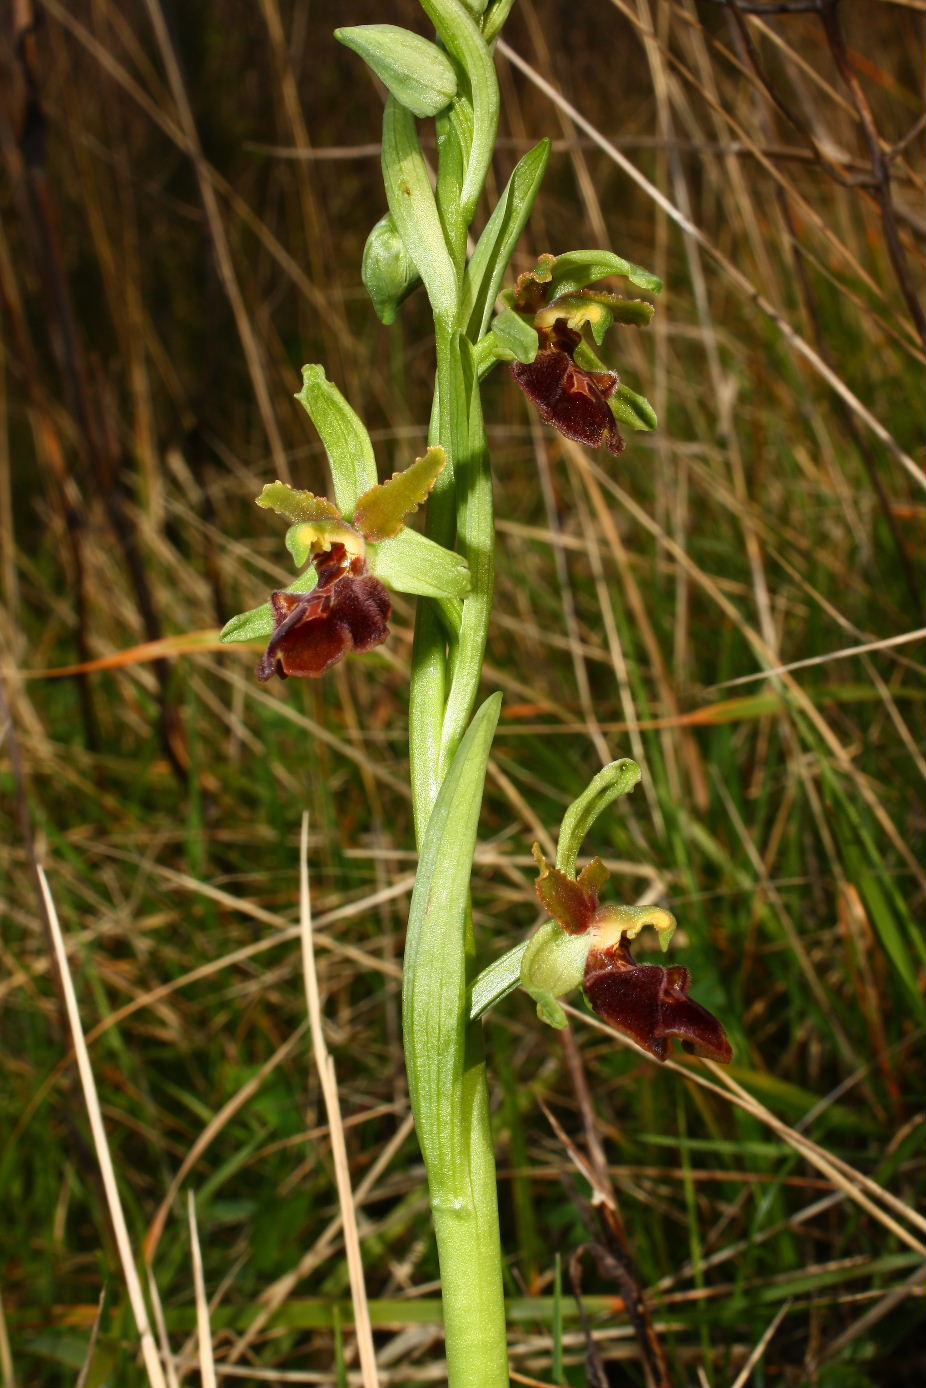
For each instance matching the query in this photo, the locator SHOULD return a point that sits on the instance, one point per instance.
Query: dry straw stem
(203, 1327)
(157, 1310)
(326, 1074)
(279, 1292)
(101, 1144)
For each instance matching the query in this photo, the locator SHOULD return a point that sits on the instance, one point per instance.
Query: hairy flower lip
(574, 401)
(348, 610)
(650, 1004)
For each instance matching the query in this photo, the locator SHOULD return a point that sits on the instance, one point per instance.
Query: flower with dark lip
(347, 610)
(650, 1004)
(573, 400)
(589, 944)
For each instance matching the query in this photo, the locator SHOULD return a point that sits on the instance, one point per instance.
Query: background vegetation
(187, 192)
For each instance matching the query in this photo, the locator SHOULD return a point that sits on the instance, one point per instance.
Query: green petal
(295, 505)
(380, 512)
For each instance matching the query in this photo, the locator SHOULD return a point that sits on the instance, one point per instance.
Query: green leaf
(346, 441)
(411, 563)
(496, 981)
(497, 243)
(434, 1001)
(576, 269)
(514, 336)
(463, 38)
(416, 71)
(617, 778)
(258, 623)
(414, 210)
(454, 130)
(381, 512)
(493, 21)
(387, 271)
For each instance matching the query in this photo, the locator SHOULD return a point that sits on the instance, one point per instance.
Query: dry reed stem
(843, 1176)
(324, 1063)
(742, 1378)
(733, 273)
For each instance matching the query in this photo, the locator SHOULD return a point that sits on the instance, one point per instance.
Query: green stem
(464, 1203)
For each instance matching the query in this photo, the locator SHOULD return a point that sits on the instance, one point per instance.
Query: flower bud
(418, 74)
(386, 271)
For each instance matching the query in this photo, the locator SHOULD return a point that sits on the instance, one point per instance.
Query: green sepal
(258, 623)
(497, 243)
(615, 779)
(387, 271)
(576, 269)
(514, 337)
(632, 409)
(437, 957)
(553, 964)
(380, 513)
(416, 71)
(411, 563)
(414, 211)
(346, 441)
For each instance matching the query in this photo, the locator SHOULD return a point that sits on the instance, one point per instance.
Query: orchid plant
(351, 551)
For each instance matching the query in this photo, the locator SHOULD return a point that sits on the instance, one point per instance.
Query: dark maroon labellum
(347, 611)
(650, 1004)
(573, 400)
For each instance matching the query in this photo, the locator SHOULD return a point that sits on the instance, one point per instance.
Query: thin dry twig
(203, 1326)
(101, 1143)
